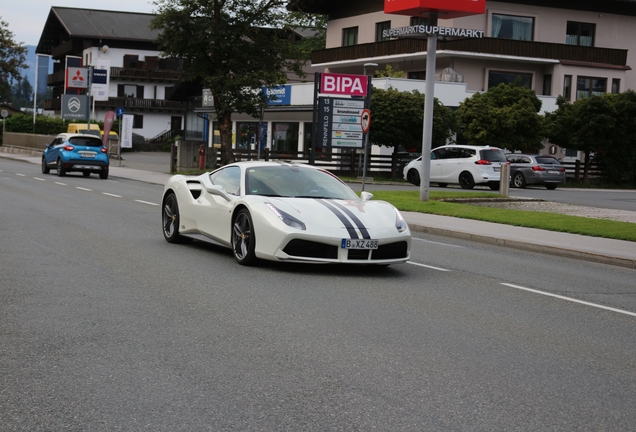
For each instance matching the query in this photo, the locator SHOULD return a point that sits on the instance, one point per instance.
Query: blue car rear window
(85, 141)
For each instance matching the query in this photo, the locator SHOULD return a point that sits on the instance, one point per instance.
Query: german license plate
(359, 244)
(497, 169)
(87, 154)
(553, 172)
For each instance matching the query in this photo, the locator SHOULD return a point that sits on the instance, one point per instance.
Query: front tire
(170, 220)
(519, 181)
(60, 171)
(413, 177)
(466, 180)
(243, 238)
(45, 167)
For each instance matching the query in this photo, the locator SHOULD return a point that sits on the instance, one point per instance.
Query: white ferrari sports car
(283, 212)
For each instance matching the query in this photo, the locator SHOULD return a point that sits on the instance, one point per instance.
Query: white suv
(460, 164)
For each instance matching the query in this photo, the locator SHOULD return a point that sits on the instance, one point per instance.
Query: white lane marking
(427, 266)
(84, 189)
(110, 194)
(569, 299)
(146, 202)
(38, 178)
(439, 243)
(61, 184)
(21, 175)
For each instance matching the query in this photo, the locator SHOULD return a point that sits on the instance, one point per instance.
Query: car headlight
(286, 217)
(400, 223)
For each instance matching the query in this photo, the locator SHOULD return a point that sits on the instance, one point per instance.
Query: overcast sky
(26, 18)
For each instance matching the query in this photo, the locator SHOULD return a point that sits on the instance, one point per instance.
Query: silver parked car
(529, 169)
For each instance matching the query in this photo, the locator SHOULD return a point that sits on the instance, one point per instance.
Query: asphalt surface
(154, 168)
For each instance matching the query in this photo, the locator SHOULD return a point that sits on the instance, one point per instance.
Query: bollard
(504, 182)
(201, 157)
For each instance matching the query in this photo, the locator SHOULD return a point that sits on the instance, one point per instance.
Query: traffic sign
(365, 120)
(120, 111)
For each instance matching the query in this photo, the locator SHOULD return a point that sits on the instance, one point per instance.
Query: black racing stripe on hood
(350, 229)
(354, 218)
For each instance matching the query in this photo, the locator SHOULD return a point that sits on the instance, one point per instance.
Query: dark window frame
(574, 33)
(379, 28)
(505, 29)
(350, 36)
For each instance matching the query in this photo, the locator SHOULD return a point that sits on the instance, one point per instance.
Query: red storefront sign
(343, 84)
(447, 9)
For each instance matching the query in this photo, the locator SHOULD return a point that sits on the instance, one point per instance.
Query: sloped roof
(64, 23)
(338, 8)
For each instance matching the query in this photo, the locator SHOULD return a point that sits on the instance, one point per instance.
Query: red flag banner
(108, 124)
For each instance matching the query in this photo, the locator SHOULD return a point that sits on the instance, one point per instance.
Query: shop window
(495, 78)
(246, 134)
(322, 153)
(350, 36)
(567, 87)
(579, 33)
(512, 27)
(379, 28)
(285, 137)
(586, 87)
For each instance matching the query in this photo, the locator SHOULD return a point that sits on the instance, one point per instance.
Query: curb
(529, 247)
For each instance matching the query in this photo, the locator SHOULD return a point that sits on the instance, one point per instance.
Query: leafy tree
(389, 72)
(234, 47)
(586, 125)
(397, 119)
(616, 157)
(22, 93)
(505, 116)
(12, 60)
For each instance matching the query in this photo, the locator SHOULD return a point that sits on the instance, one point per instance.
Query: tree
(22, 93)
(617, 157)
(586, 125)
(12, 60)
(397, 119)
(505, 116)
(234, 47)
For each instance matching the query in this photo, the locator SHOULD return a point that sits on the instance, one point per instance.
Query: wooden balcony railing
(145, 74)
(142, 104)
(543, 50)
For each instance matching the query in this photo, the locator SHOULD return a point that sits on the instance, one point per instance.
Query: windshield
(295, 182)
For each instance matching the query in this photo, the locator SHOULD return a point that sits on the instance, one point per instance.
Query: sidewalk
(615, 252)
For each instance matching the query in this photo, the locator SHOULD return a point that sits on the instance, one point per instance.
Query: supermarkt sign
(425, 31)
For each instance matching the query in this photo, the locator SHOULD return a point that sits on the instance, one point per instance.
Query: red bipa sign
(343, 84)
(446, 9)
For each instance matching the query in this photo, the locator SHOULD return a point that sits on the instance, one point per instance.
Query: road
(105, 326)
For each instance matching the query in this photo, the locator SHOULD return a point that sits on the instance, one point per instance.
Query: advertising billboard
(447, 9)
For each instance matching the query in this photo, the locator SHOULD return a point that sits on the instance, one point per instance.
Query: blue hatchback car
(78, 153)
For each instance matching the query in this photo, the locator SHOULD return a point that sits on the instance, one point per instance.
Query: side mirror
(366, 196)
(218, 191)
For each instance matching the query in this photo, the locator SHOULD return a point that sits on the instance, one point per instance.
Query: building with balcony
(140, 81)
(558, 47)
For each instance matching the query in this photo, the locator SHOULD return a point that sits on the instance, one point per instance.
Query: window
(130, 91)
(246, 133)
(578, 33)
(420, 75)
(512, 27)
(229, 178)
(350, 36)
(419, 21)
(379, 28)
(495, 78)
(285, 137)
(547, 85)
(138, 121)
(586, 87)
(567, 87)
(616, 86)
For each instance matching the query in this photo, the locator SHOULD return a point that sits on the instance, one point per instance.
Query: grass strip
(410, 201)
